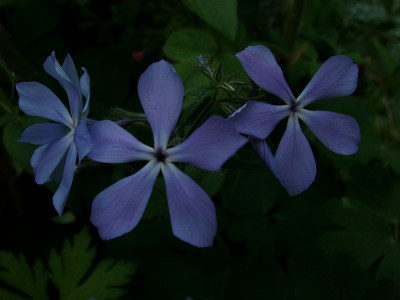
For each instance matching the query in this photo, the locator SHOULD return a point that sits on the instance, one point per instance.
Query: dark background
(337, 240)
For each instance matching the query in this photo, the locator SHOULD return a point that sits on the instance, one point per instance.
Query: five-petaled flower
(119, 208)
(61, 142)
(294, 163)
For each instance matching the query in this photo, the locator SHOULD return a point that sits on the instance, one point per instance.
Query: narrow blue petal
(261, 66)
(266, 155)
(209, 146)
(85, 88)
(82, 139)
(119, 208)
(338, 132)
(50, 158)
(54, 69)
(70, 70)
(161, 94)
(337, 77)
(258, 119)
(37, 156)
(60, 197)
(295, 159)
(58, 172)
(113, 144)
(37, 100)
(43, 133)
(192, 212)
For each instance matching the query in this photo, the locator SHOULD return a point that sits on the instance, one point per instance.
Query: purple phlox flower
(119, 208)
(294, 163)
(65, 139)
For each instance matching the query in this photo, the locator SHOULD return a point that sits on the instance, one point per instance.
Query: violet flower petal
(337, 77)
(43, 133)
(113, 144)
(50, 157)
(265, 153)
(192, 212)
(37, 100)
(209, 146)
(37, 155)
(85, 88)
(119, 208)
(261, 66)
(82, 139)
(338, 132)
(161, 93)
(60, 197)
(295, 159)
(53, 68)
(258, 119)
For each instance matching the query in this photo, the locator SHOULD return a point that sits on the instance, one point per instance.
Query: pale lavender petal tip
(295, 159)
(161, 94)
(119, 208)
(192, 212)
(261, 66)
(338, 132)
(337, 77)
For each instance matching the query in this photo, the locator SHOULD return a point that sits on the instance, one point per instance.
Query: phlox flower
(119, 208)
(65, 139)
(294, 163)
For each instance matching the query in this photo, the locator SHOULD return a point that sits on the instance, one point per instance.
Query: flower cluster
(118, 209)
(294, 163)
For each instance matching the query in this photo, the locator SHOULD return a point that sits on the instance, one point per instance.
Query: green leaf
(321, 276)
(69, 271)
(210, 182)
(392, 156)
(257, 278)
(20, 152)
(221, 14)
(18, 274)
(104, 281)
(367, 236)
(188, 44)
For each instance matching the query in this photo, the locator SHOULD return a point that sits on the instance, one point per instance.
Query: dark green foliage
(340, 239)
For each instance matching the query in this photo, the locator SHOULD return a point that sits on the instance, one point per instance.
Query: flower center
(160, 155)
(295, 107)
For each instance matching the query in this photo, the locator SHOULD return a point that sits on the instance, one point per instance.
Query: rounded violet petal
(338, 132)
(82, 139)
(60, 197)
(266, 155)
(48, 160)
(119, 208)
(161, 94)
(295, 159)
(113, 144)
(209, 146)
(337, 77)
(37, 100)
(261, 66)
(62, 74)
(192, 212)
(258, 119)
(43, 133)
(85, 88)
